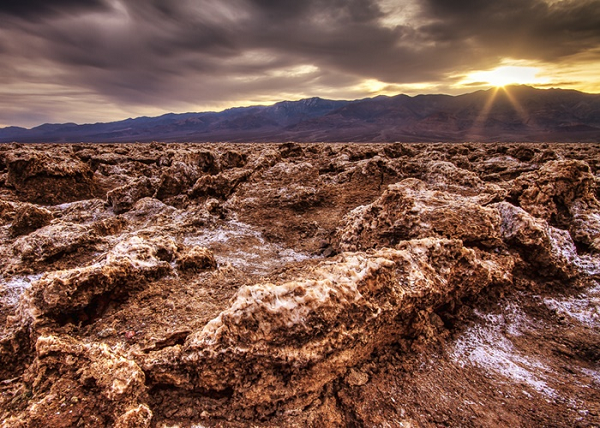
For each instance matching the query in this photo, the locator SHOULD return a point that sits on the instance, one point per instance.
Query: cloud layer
(75, 60)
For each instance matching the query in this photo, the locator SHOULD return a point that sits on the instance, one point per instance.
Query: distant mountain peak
(528, 114)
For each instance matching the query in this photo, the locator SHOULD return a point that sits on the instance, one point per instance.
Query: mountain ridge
(514, 113)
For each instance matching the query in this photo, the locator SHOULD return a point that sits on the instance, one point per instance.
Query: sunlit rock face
(299, 285)
(413, 209)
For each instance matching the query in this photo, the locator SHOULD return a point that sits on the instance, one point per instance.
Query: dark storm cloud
(531, 29)
(175, 53)
(138, 52)
(37, 9)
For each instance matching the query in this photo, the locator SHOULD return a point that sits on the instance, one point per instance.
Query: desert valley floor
(304, 285)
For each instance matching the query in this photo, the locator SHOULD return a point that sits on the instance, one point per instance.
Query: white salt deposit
(231, 230)
(12, 289)
(244, 247)
(594, 374)
(584, 308)
(64, 206)
(486, 346)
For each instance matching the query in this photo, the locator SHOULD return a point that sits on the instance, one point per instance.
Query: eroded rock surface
(29, 218)
(100, 386)
(124, 197)
(299, 335)
(413, 209)
(53, 178)
(152, 285)
(563, 193)
(129, 263)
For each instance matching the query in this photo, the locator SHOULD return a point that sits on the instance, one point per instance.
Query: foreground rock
(302, 334)
(131, 262)
(299, 285)
(29, 218)
(102, 388)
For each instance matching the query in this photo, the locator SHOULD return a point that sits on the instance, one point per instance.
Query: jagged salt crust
(583, 308)
(486, 346)
(301, 334)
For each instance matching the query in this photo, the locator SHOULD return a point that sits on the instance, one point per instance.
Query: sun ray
(479, 121)
(527, 120)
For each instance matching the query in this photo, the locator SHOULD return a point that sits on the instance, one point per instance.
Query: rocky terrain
(269, 285)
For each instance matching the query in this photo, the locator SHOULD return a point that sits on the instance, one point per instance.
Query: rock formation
(299, 285)
(49, 178)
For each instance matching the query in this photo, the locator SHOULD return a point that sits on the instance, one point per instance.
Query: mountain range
(513, 113)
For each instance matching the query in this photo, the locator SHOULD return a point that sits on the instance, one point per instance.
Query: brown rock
(585, 223)
(522, 152)
(176, 179)
(124, 197)
(549, 192)
(357, 378)
(220, 185)
(29, 218)
(86, 211)
(109, 226)
(562, 192)
(129, 264)
(53, 241)
(205, 160)
(411, 209)
(301, 334)
(49, 178)
(233, 159)
(502, 167)
(196, 259)
(148, 208)
(137, 417)
(447, 177)
(549, 249)
(111, 385)
(7, 211)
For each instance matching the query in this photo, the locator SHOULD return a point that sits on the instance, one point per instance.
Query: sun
(507, 75)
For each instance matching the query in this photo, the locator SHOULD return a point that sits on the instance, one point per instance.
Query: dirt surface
(269, 285)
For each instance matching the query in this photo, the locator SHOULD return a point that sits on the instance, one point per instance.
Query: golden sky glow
(106, 60)
(537, 74)
(507, 75)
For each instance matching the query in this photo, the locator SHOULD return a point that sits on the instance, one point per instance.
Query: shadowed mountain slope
(514, 113)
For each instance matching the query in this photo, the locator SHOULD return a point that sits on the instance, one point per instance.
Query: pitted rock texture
(49, 178)
(563, 192)
(413, 209)
(102, 386)
(301, 334)
(29, 218)
(155, 285)
(122, 198)
(129, 263)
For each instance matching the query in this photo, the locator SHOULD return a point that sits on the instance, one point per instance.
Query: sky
(87, 61)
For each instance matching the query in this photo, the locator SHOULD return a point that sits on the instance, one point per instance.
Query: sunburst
(507, 75)
(479, 122)
(483, 114)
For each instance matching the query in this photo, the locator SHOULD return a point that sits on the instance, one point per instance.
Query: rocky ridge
(299, 285)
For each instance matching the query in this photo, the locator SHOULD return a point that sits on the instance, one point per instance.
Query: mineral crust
(155, 285)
